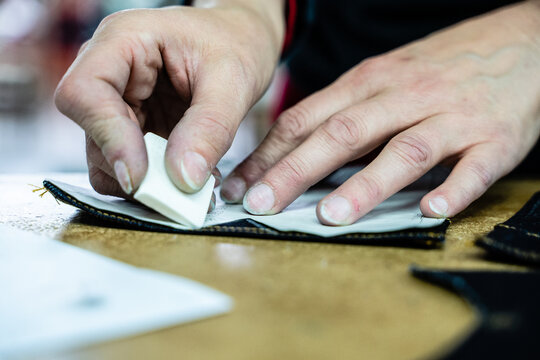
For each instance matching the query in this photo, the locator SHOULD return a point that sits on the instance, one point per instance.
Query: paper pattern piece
(399, 212)
(55, 296)
(158, 192)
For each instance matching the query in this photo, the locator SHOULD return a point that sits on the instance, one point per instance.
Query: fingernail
(194, 170)
(122, 175)
(259, 200)
(233, 189)
(336, 210)
(439, 206)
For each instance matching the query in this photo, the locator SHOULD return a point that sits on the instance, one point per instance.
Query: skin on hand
(186, 74)
(470, 92)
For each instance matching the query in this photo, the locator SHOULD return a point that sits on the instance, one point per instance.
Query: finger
(91, 93)
(221, 98)
(102, 174)
(470, 178)
(294, 126)
(95, 157)
(407, 157)
(346, 136)
(83, 47)
(103, 183)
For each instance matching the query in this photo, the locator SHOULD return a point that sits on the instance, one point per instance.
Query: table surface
(292, 299)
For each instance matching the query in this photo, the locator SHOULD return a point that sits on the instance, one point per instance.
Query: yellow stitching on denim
(141, 223)
(520, 253)
(44, 189)
(430, 234)
(520, 230)
(254, 230)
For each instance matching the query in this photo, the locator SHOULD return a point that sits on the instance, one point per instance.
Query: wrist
(271, 14)
(531, 13)
(524, 18)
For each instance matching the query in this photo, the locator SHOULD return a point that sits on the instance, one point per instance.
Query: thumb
(221, 99)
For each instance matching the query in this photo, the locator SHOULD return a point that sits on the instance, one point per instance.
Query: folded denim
(518, 238)
(507, 304)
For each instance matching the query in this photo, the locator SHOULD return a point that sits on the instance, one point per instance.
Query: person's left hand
(471, 93)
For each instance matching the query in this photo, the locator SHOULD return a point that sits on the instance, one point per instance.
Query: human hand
(187, 74)
(471, 93)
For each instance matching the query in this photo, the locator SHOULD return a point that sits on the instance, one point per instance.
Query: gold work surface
(293, 300)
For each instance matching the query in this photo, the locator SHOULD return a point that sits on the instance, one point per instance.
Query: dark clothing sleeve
(342, 33)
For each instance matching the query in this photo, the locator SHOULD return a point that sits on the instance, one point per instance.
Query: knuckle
(412, 149)
(216, 124)
(292, 169)
(116, 17)
(83, 47)
(371, 64)
(364, 74)
(60, 102)
(221, 135)
(99, 180)
(103, 136)
(63, 95)
(425, 86)
(291, 126)
(344, 130)
(372, 186)
(481, 171)
(67, 98)
(123, 22)
(255, 166)
(110, 21)
(96, 158)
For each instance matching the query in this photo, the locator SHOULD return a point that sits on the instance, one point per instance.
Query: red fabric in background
(291, 13)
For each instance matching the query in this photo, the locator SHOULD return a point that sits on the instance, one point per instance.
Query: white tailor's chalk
(158, 192)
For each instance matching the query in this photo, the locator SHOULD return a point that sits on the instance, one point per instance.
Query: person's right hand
(187, 74)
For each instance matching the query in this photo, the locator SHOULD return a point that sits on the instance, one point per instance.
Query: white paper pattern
(55, 296)
(399, 212)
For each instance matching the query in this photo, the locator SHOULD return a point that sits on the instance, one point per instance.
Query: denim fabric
(431, 238)
(508, 304)
(518, 238)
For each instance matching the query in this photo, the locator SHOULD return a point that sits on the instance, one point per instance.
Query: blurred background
(38, 41)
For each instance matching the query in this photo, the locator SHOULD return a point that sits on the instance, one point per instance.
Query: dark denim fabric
(518, 238)
(418, 238)
(508, 305)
